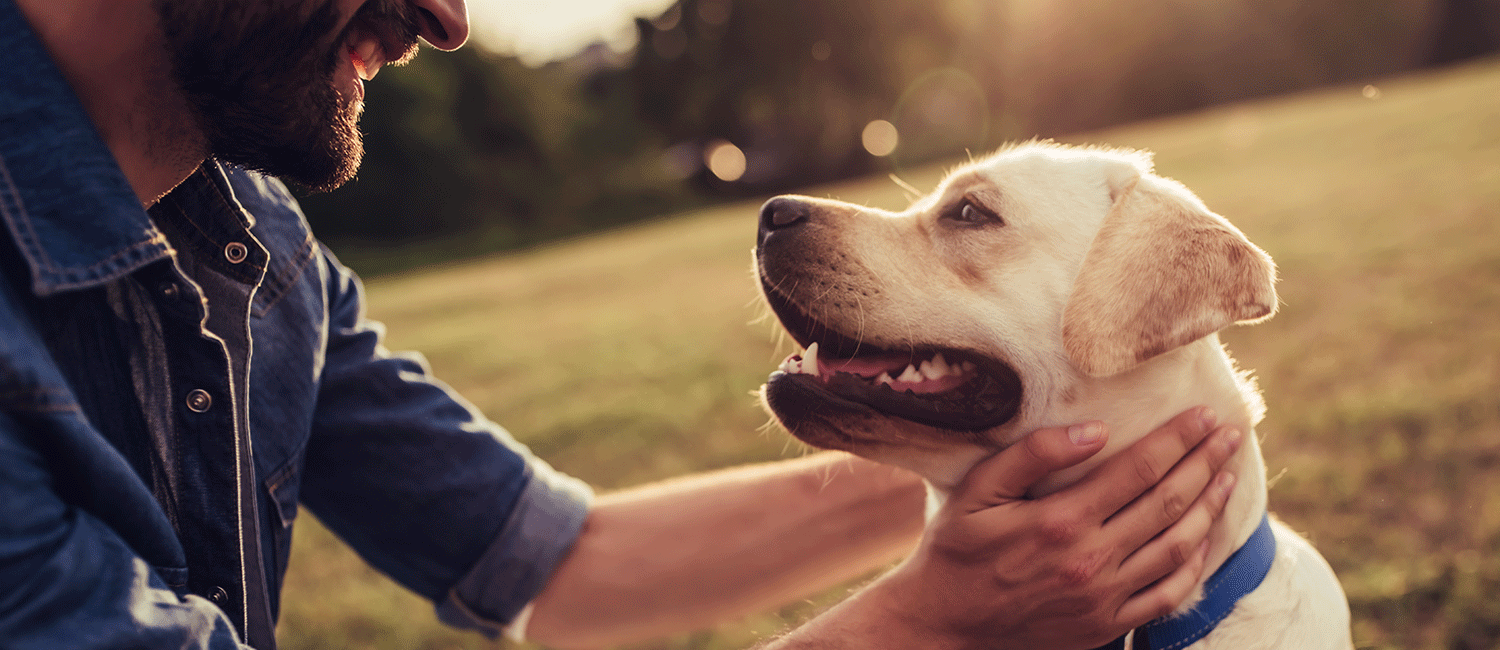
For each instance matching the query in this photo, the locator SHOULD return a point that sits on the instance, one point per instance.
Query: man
(182, 364)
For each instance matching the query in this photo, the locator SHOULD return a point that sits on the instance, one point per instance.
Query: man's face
(274, 84)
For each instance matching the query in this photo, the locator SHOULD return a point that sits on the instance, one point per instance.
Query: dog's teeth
(911, 375)
(884, 379)
(929, 371)
(940, 365)
(810, 359)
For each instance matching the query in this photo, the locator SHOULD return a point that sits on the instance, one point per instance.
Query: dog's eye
(970, 213)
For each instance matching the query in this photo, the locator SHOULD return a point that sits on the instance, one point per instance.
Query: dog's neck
(1139, 401)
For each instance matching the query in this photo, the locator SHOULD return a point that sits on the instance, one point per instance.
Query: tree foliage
(476, 150)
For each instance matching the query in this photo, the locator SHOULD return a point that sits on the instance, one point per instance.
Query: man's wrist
(878, 617)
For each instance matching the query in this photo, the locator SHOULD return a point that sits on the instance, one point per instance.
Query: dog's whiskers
(912, 193)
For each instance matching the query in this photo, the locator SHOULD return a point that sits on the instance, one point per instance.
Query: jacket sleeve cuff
(540, 531)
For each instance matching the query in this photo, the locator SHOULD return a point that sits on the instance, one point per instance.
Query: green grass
(629, 356)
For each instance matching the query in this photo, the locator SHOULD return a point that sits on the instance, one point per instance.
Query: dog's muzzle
(950, 389)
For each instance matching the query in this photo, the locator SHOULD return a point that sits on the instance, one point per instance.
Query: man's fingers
(1130, 473)
(1160, 599)
(1174, 547)
(1171, 499)
(1008, 475)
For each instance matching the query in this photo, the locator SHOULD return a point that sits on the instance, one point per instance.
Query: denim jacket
(173, 384)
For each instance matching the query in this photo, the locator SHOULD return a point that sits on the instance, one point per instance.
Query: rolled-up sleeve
(423, 486)
(516, 567)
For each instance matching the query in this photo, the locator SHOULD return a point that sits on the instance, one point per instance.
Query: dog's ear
(1162, 272)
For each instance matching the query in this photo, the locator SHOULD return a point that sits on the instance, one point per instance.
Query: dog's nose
(781, 212)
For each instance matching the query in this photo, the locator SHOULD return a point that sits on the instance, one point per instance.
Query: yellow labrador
(1043, 286)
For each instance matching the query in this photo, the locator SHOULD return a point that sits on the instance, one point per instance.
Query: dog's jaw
(1134, 404)
(1201, 373)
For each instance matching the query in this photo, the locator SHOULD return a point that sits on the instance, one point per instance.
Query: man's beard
(260, 78)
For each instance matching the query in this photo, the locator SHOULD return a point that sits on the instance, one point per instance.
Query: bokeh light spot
(880, 138)
(1370, 92)
(821, 50)
(942, 113)
(725, 160)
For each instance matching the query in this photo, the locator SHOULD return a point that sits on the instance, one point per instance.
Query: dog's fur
(1100, 284)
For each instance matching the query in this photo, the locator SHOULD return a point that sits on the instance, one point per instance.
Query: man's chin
(326, 177)
(332, 160)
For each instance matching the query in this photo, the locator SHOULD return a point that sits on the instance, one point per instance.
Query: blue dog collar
(1239, 575)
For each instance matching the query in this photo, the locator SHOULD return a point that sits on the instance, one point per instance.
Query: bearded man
(182, 364)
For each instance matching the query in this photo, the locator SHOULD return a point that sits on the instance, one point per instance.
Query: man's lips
(373, 40)
(367, 56)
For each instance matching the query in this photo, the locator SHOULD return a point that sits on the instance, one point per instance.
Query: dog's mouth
(941, 387)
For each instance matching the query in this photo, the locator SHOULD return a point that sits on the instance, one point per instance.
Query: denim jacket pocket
(283, 486)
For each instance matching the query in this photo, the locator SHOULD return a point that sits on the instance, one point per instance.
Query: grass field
(630, 356)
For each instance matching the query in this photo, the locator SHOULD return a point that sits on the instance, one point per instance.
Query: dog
(1042, 286)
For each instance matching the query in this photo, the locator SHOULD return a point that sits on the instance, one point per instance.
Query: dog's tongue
(867, 367)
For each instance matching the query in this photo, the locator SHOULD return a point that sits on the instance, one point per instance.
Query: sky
(537, 31)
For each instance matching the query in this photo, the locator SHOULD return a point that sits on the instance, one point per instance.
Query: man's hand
(1074, 569)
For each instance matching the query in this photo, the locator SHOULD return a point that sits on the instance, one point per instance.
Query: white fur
(913, 281)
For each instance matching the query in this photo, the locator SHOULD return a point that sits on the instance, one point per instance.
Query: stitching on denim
(277, 480)
(236, 272)
(475, 617)
(280, 284)
(82, 276)
(240, 213)
(157, 239)
(16, 215)
(18, 219)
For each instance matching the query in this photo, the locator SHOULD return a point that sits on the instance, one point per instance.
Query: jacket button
(199, 400)
(218, 596)
(236, 252)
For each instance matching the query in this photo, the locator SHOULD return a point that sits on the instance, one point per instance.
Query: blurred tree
(790, 82)
(1469, 28)
(451, 143)
(481, 153)
(476, 149)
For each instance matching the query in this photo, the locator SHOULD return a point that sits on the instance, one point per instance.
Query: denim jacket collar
(62, 195)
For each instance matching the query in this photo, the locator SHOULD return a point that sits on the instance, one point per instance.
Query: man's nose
(445, 23)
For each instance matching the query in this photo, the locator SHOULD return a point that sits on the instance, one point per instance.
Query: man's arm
(68, 580)
(1062, 571)
(692, 552)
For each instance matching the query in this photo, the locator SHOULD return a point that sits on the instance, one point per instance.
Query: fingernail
(1232, 438)
(1226, 485)
(1083, 434)
(1207, 418)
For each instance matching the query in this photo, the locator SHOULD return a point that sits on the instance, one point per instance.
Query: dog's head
(940, 334)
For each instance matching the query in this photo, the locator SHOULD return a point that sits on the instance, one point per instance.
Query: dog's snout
(781, 212)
